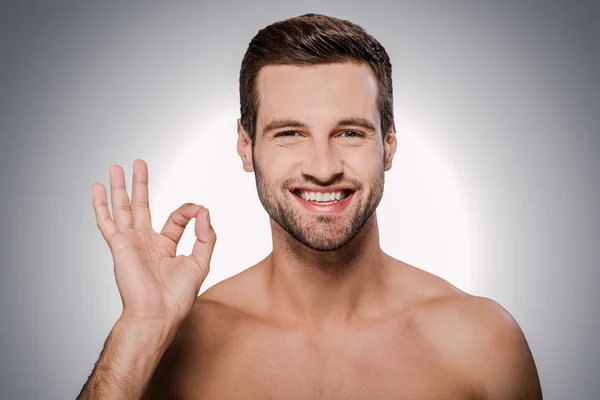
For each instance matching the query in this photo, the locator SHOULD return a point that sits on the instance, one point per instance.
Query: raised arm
(158, 288)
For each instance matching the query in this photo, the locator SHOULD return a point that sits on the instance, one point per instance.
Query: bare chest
(368, 364)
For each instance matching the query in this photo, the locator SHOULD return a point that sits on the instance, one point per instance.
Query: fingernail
(208, 216)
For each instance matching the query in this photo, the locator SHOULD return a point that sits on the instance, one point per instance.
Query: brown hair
(312, 39)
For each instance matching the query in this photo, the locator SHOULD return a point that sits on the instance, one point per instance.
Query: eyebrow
(290, 123)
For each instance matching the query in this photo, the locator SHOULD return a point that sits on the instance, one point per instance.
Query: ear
(389, 146)
(244, 147)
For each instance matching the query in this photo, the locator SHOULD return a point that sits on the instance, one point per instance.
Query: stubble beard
(324, 233)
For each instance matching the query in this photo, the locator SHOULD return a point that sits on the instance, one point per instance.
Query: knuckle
(141, 179)
(100, 221)
(203, 267)
(143, 230)
(123, 207)
(129, 231)
(141, 203)
(111, 241)
(176, 219)
(178, 222)
(117, 189)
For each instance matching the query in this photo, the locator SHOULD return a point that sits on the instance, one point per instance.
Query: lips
(320, 189)
(322, 196)
(331, 208)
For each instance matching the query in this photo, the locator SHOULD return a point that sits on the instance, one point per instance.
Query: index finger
(178, 220)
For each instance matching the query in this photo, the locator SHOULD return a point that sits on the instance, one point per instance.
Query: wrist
(144, 332)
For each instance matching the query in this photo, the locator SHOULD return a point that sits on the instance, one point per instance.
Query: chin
(324, 245)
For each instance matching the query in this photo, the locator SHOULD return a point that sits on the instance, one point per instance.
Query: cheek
(283, 162)
(273, 159)
(275, 169)
(363, 163)
(284, 169)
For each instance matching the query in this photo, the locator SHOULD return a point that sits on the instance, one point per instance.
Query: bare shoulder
(220, 311)
(201, 339)
(182, 356)
(480, 338)
(458, 320)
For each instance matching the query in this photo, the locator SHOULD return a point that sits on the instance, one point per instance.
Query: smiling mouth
(322, 198)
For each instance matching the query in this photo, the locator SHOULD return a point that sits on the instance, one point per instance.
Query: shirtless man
(327, 314)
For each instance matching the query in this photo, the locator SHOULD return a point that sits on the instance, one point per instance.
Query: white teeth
(321, 197)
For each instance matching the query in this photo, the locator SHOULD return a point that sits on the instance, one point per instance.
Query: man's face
(318, 131)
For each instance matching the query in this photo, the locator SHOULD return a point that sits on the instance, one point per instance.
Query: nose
(323, 164)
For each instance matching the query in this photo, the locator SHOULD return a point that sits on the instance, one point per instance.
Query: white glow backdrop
(493, 187)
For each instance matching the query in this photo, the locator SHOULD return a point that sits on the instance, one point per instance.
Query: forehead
(316, 93)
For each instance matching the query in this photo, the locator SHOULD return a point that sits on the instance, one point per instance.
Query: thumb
(205, 239)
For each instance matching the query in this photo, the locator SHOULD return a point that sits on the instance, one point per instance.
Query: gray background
(506, 94)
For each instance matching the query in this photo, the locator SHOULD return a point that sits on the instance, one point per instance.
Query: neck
(327, 288)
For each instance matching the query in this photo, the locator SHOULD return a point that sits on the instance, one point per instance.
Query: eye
(352, 134)
(286, 134)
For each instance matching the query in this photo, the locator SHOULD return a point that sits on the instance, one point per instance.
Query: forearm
(130, 356)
